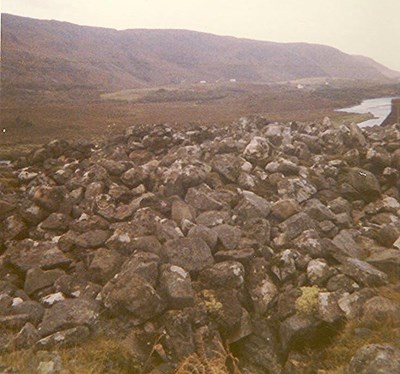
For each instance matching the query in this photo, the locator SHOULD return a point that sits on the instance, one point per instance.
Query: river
(380, 108)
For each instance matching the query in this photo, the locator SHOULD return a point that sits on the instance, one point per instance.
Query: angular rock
(296, 330)
(318, 272)
(387, 261)
(341, 282)
(318, 211)
(328, 308)
(351, 304)
(134, 177)
(37, 279)
(260, 349)
(379, 309)
(224, 307)
(285, 208)
(375, 358)
(14, 227)
(29, 308)
(227, 165)
(130, 295)
(27, 254)
(49, 198)
(297, 188)
(192, 253)
(240, 255)
(257, 151)
(26, 338)
(92, 239)
(176, 284)
(363, 273)
(260, 286)
(295, 225)
(56, 221)
(144, 264)
(228, 235)
(213, 218)
(348, 247)
(65, 338)
(181, 211)
(104, 265)
(201, 198)
(364, 184)
(252, 206)
(69, 313)
(227, 274)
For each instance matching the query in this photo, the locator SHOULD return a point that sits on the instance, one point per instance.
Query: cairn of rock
(258, 239)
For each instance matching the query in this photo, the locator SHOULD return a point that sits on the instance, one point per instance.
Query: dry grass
(338, 354)
(197, 363)
(347, 343)
(98, 355)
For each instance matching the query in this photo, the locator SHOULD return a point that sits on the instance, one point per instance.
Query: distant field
(34, 117)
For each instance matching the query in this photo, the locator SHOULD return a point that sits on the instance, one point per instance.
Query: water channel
(379, 108)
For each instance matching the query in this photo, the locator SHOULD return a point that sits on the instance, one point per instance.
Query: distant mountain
(40, 54)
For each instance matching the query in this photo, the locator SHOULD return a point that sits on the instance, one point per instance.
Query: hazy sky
(366, 27)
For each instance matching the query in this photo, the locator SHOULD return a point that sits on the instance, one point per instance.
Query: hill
(40, 54)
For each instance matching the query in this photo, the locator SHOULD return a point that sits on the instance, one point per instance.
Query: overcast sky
(366, 27)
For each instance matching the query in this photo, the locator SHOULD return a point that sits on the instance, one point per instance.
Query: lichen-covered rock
(363, 273)
(375, 358)
(69, 313)
(192, 254)
(379, 309)
(260, 285)
(228, 235)
(176, 284)
(201, 198)
(104, 265)
(227, 165)
(257, 151)
(28, 254)
(226, 274)
(295, 225)
(364, 184)
(132, 296)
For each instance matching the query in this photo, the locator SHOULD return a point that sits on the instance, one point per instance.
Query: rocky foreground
(211, 250)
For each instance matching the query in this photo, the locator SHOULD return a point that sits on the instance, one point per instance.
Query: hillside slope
(43, 54)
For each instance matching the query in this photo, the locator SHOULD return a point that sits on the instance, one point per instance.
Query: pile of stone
(262, 238)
